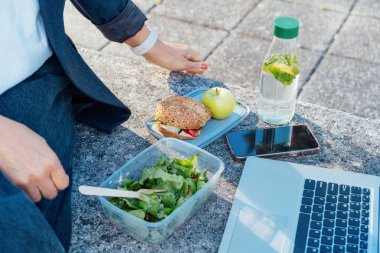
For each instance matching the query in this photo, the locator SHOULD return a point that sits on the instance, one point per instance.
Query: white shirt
(24, 45)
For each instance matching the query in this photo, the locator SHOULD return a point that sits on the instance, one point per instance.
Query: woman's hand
(28, 161)
(176, 57)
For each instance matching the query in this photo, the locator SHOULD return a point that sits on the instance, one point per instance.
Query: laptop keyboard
(333, 218)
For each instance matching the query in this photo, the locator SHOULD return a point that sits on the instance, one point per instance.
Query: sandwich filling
(182, 132)
(176, 130)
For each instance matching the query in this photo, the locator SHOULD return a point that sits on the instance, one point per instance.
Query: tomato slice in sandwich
(192, 132)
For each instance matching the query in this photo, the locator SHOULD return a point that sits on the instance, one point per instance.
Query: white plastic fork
(107, 192)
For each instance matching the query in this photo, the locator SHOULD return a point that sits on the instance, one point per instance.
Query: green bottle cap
(285, 28)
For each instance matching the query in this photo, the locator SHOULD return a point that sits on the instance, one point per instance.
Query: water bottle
(280, 74)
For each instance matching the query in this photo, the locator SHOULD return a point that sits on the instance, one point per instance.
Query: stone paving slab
(359, 38)
(369, 8)
(145, 5)
(336, 5)
(121, 49)
(81, 30)
(84, 33)
(239, 60)
(202, 39)
(224, 14)
(348, 142)
(317, 26)
(345, 84)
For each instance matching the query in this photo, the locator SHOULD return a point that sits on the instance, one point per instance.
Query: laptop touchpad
(263, 232)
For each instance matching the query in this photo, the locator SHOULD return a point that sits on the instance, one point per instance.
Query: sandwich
(181, 117)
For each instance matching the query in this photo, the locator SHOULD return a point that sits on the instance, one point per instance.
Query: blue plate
(214, 127)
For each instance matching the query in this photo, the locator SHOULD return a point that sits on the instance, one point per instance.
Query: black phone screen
(267, 141)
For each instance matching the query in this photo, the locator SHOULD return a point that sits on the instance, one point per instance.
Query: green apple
(220, 101)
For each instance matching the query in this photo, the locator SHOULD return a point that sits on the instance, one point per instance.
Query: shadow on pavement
(182, 83)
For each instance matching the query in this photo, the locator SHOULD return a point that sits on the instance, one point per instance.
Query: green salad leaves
(180, 178)
(284, 68)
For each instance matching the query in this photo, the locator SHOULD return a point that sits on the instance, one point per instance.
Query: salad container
(156, 232)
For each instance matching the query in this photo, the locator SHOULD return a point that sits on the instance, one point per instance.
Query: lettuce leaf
(151, 204)
(190, 163)
(180, 178)
(192, 183)
(131, 203)
(168, 199)
(159, 173)
(138, 213)
(184, 167)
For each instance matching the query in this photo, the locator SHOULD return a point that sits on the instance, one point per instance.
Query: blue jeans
(43, 103)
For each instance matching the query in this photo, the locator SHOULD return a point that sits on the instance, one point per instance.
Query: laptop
(293, 208)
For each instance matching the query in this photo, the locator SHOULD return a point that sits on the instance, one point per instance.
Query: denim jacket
(93, 103)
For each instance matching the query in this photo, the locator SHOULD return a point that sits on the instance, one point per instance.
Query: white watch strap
(147, 45)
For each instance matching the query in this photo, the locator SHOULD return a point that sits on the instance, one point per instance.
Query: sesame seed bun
(182, 112)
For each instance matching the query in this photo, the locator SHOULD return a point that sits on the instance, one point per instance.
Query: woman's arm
(122, 21)
(118, 20)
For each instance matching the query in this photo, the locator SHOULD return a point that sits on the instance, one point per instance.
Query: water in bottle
(280, 74)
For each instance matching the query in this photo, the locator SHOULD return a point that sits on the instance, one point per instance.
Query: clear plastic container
(280, 75)
(150, 232)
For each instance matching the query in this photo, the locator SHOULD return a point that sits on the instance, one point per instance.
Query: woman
(44, 86)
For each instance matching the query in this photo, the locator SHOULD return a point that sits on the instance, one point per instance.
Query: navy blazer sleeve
(118, 20)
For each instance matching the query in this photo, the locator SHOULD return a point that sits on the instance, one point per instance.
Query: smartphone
(273, 142)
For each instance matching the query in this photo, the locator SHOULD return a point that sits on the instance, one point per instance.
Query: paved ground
(347, 142)
(340, 63)
(340, 53)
